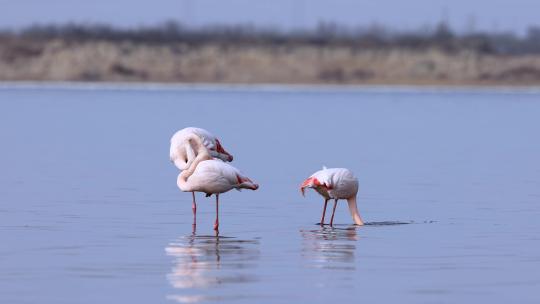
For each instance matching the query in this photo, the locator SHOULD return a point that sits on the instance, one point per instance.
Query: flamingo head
(221, 150)
(311, 182)
(246, 183)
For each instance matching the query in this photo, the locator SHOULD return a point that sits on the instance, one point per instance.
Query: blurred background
(449, 174)
(284, 41)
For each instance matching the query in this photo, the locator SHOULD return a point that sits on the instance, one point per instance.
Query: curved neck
(201, 153)
(354, 211)
(182, 182)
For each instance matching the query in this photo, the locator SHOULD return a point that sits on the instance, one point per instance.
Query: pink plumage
(201, 157)
(336, 184)
(215, 177)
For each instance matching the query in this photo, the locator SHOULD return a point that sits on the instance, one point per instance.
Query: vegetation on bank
(326, 34)
(244, 54)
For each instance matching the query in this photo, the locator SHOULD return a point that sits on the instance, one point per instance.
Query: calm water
(90, 212)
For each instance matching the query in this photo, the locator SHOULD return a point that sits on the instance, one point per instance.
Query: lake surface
(90, 211)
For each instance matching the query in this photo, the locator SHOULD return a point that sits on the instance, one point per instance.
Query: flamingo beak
(308, 183)
(220, 149)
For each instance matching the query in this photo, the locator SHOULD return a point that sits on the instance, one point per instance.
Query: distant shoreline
(327, 55)
(102, 61)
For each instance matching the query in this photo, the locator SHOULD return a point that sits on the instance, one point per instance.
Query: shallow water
(449, 184)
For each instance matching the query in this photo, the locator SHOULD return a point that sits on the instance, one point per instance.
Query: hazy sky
(409, 14)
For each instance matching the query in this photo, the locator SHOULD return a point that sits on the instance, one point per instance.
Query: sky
(462, 15)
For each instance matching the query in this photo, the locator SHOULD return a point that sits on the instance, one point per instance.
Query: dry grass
(58, 60)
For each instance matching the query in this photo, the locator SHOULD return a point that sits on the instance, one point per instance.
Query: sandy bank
(57, 60)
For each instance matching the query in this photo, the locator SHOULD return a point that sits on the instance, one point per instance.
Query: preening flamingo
(182, 151)
(214, 177)
(190, 146)
(336, 184)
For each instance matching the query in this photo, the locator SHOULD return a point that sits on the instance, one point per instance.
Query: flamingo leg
(194, 208)
(333, 212)
(324, 212)
(216, 224)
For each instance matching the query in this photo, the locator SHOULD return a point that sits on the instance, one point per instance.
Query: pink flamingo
(335, 183)
(182, 152)
(190, 146)
(213, 176)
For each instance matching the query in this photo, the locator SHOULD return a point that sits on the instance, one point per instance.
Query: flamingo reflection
(205, 261)
(331, 248)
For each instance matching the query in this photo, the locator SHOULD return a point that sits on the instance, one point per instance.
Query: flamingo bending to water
(214, 177)
(335, 183)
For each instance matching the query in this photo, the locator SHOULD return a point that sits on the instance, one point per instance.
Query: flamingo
(182, 153)
(214, 176)
(190, 146)
(336, 184)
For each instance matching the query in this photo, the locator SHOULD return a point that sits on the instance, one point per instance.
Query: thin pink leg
(324, 212)
(194, 208)
(333, 212)
(216, 224)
